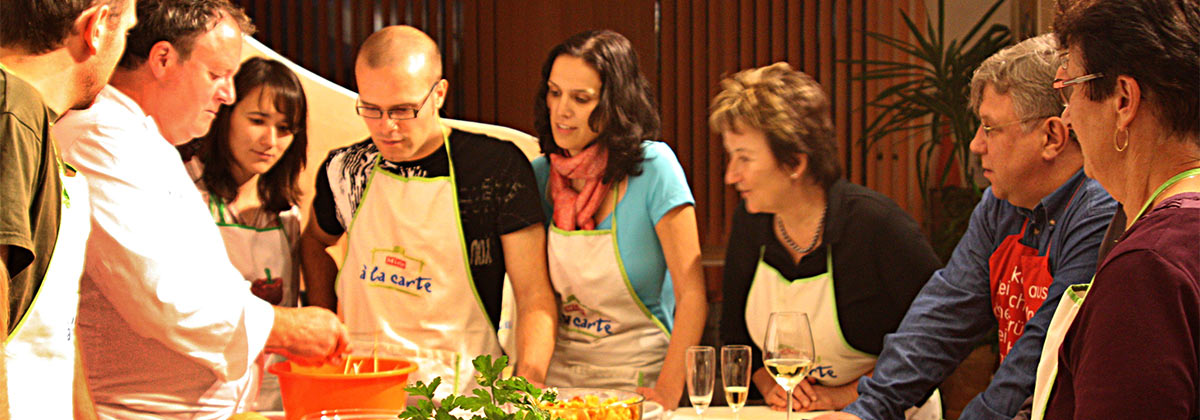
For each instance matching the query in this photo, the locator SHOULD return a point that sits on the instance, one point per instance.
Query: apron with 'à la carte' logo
(836, 362)
(406, 283)
(607, 337)
(1065, 313)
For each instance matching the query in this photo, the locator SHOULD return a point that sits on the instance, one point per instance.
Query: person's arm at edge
(317, 266)
(952, 312)
(1013, 380)
(537, 311)
(677, 232)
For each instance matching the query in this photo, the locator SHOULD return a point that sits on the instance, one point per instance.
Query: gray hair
(1024, 71)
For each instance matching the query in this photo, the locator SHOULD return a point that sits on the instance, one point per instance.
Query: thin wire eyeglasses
(398, 114)
(988, 130)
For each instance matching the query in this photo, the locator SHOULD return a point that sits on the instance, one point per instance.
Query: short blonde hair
(790, 108)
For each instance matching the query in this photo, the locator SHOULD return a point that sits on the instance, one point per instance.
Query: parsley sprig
(489, 402)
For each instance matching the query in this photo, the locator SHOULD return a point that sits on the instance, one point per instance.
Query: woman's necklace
(792, 243)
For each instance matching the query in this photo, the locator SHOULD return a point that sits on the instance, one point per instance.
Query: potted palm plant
(928, 100)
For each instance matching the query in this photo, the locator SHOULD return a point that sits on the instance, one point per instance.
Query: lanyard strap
(1178, 177)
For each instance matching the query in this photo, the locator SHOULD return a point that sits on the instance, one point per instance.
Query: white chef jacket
(167, 326)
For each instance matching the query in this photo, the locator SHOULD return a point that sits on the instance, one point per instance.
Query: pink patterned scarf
(574, 210)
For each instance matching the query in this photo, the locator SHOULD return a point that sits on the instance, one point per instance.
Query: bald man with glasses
(434, 220)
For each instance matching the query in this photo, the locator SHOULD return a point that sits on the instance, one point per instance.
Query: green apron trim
(217, 205)
(625, 276)
(462, 242)
(1075, 292)
(832, 293)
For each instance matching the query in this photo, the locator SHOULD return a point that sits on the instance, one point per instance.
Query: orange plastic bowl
(308, 389)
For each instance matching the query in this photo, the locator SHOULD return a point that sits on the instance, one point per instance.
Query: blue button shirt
(953, 312)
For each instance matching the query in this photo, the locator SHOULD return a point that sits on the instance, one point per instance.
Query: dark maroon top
(1133, 351)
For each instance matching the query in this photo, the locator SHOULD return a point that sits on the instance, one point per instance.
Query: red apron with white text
(1020, 279)
(1020, 282)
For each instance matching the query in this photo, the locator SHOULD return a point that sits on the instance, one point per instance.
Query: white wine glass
(701, 370)
(735, 375)
(788, 351)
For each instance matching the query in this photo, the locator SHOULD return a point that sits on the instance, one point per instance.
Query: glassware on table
(701, 367)
(788, 351)
(735, 375)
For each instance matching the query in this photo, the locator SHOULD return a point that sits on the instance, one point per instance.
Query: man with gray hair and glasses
(1037, 230)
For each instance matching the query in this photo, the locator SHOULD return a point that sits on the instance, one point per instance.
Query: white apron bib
(606, 338)
(40, 353)
(1064, 316)
(837, 363)
(406, 277)
(264, 257)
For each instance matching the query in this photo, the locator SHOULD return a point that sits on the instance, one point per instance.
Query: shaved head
(404, 48)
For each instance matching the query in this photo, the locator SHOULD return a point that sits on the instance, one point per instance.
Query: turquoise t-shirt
(662, 186)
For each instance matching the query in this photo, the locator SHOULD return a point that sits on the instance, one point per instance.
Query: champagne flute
(735, 375)
(788, 352)
(701, 365)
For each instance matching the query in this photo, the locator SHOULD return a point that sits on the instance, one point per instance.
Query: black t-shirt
(497, 195)
(880, 261)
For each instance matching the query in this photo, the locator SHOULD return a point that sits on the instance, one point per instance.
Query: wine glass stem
(789, 403)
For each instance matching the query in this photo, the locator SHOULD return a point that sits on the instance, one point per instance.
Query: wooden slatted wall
(702, 41)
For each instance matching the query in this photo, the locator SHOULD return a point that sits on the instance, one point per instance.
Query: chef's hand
(310, 335)
(813, 397)
(838, 416)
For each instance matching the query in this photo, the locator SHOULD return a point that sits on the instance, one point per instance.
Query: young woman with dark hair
(623, 250)
(248, 168)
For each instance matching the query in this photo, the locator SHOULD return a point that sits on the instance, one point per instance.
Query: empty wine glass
(701, 366)
(788, 351)
(735, 375)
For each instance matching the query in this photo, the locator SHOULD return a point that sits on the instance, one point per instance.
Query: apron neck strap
(1178, 177)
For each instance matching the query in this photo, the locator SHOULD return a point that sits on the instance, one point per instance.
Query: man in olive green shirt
(55, 55)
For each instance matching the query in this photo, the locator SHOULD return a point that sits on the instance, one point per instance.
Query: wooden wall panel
(493, 52)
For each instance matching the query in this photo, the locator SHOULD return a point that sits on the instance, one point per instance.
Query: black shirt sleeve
(880, 264)
(741, 261)
(323, 206)
(518, 203)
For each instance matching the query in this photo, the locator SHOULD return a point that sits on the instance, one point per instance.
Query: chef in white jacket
(167, 326)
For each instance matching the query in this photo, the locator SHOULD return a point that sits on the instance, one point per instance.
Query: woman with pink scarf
(623, 250)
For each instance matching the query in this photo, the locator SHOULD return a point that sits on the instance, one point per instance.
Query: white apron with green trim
(406, 280)
(1064, 317)
(837, 363)
(40, 353)
(606, 338)
(264, 257)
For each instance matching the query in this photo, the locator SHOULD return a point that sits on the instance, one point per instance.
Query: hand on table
(308, 336)
(813, 397)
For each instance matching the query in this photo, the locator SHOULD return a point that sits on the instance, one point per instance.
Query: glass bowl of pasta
(596, 404)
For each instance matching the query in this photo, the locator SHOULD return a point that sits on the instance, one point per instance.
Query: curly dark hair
(178, 22)
(278, 188)
(626, 111)
(1156, 42)
(41, 26)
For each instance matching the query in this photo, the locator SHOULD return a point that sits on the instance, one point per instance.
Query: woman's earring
(1116, 138)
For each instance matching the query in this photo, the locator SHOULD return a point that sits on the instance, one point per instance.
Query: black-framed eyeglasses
(1065, 87)
(988, 130)
(398, 114)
